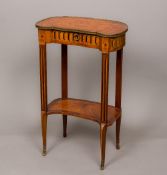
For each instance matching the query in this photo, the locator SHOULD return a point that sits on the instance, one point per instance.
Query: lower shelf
(83, 109)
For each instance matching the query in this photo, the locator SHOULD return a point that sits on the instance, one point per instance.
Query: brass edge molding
(81, 31)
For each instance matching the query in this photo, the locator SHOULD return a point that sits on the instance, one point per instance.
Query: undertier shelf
(83, 109)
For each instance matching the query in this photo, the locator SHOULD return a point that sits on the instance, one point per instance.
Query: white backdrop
(144, 102)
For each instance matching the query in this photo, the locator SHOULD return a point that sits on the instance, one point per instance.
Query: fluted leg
(64, 76)
(118, 93)
(104, 105)
(43, 83)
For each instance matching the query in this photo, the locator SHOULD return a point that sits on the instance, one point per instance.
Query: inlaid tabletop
(100, 27)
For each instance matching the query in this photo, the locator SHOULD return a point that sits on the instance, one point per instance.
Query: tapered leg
(64, 75)
(44, 131)
(103, 130)
(43, 85)
(118, 124)
(64, 125)
(104, 105)
(118, 93)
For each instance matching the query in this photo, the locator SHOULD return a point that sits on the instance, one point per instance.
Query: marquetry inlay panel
(71, 38)
(81, 39)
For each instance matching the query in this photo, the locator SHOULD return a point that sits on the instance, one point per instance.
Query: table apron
(105, 44)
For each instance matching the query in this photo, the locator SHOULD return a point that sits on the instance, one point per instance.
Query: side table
(105, 35)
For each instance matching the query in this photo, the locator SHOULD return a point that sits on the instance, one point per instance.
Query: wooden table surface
(101, 27)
